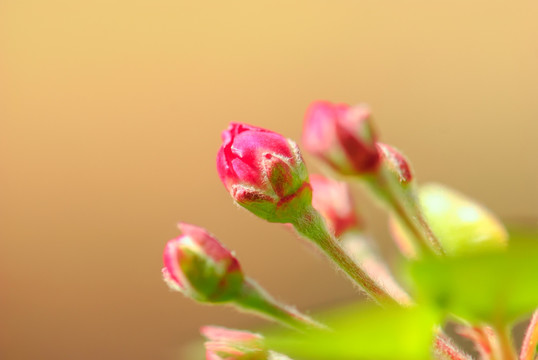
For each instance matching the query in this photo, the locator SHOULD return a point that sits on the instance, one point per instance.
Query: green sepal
(285, 210)
(209, 281)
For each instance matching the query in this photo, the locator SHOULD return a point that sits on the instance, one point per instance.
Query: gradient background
(110, 115)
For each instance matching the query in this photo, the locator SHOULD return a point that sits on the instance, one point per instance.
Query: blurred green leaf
(363, 332)
(494, 287)
(523, 234)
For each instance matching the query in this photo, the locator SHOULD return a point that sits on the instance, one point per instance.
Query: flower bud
(199, 266)
(226, 344)
(342, 136)
(333, 200)
(396, 163)
(264, 172)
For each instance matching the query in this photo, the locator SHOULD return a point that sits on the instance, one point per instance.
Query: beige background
(110, 114)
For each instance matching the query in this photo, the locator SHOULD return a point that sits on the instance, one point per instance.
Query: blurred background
(110, 120)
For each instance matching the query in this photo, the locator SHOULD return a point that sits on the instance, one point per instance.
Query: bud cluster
(265, 173)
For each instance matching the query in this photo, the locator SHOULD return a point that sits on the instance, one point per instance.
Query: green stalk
(362, 252)
(488, 338)
(445, 349)
(255, 299)
(402, 202)
(530, 342)
(312, 226)
(506, 349)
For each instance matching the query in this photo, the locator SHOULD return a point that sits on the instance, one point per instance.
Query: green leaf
(363, 332)
(495, 288)
(523, 234)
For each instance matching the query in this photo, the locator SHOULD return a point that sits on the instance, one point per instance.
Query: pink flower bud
(333, 200)
(227, 344)
(264, 172)
(199, 266)
(396, 163)
(217, 333)
(342, 136)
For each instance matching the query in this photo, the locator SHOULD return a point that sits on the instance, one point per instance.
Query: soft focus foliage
(497, 287)
(458, 262)
(364, 332)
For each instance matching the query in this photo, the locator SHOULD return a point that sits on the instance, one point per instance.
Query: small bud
(217, 333)
(333, 200)
(264, 172)
(225, 344)
(396, 163)
(228, 344)
(199, 266)
(342, 136)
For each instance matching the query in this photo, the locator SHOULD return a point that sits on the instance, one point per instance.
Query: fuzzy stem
(445, 349)
(506, 350)
(485, 341)
(312, 226)
(403, 204)
(255, 299)
(530, 342)
(357, 246)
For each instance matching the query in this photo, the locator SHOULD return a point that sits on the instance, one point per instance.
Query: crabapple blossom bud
(333, 200)
(199, 266)
(264, 172)
(224, 344)
(396, 163)
(342, 136)
(217, 333)
(228, 344)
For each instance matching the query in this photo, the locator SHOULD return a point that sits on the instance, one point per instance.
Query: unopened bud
(333, 200)
(228, 344)
(199, 266)
(342, 136)
(264, 172)
(224, 344)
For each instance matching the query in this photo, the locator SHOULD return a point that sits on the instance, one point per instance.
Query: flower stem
(312, 226)
(530, 342)
(255, 299)
(401, 200)
(445, 349)
(506, 350)
(362, 252)
(484, 339)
